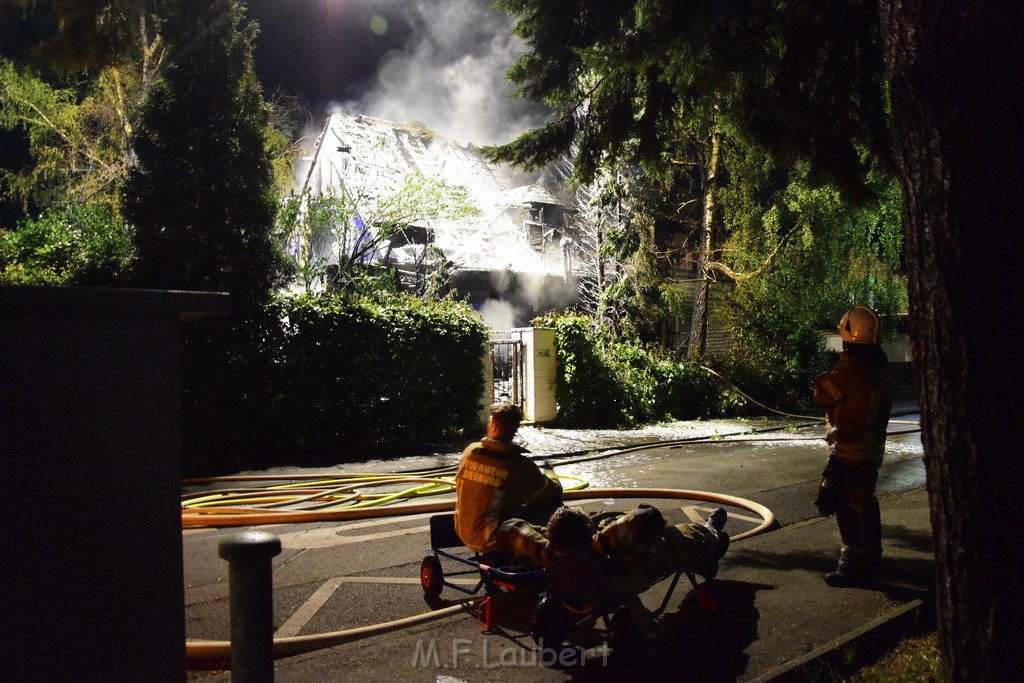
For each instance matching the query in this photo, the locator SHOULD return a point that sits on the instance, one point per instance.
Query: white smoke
(498, 315)
(450, 76)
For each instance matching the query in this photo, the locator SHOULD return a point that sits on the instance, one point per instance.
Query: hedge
(312, 380)
(605, 383)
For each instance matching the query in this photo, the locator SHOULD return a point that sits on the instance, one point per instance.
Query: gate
(507, 371)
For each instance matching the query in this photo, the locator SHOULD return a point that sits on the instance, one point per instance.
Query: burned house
(520, 255)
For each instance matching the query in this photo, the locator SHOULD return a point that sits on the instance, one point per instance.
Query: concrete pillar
(539, 373)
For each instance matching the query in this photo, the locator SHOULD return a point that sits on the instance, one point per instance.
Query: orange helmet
(861, 325)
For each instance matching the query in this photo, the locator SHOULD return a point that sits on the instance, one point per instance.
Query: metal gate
(507, 371)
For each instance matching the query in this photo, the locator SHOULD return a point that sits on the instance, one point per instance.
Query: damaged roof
(370, 152)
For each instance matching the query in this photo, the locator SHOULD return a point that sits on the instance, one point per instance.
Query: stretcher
(565, 605)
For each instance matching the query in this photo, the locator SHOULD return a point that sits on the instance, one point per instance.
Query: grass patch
(914, 659)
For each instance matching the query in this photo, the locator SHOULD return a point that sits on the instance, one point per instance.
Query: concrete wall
(901, 361)
(89, 436)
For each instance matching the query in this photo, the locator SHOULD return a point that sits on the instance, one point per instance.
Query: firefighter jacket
(493, 481)
(642, 540)
(857, 398)
(616, 534)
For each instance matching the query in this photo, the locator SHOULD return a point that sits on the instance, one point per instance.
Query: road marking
(321, 595)
(309, 608)
(694, 514)
(331, 536)
(404, 580)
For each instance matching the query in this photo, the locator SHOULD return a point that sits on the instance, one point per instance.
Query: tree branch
(719, 267)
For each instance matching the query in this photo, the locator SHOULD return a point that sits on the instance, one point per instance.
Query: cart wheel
(431, 576)
(624, 636)
(549, 626)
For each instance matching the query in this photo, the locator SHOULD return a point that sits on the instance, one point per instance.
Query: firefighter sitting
(496, 483)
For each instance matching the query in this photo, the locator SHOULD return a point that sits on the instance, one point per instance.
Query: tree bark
(699, 318)
(956, 70)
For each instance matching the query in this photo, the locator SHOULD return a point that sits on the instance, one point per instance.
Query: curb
(860, 646)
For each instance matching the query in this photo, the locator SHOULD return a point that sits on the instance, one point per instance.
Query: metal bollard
(252, 605)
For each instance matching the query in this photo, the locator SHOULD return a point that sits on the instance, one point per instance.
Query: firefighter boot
(710, 570)
(849, 575)
(716, 520)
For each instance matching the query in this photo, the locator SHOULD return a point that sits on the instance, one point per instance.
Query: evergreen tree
(202, 194)
(801, 78)
(662, 84)
(203, 204)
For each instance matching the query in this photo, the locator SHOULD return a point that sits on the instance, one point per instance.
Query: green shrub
(79, 246)
(685, 390)
(658, 387)
(587, 389)
(233, 388)
(328, 379)
(636, 368)
(776, 373)
(603, 383)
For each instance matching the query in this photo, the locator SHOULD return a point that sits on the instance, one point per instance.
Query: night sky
(324, 50)
(439, 62)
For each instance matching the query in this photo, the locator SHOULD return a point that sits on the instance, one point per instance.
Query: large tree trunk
(956, 72)
(699, 317)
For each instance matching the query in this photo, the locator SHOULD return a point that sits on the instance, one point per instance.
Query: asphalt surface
(775, 617)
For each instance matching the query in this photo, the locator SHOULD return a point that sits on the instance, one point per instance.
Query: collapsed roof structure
(521, 255)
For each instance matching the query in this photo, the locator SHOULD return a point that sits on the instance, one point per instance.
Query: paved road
(336, 576)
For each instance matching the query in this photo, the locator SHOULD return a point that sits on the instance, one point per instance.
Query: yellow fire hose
(320, 499)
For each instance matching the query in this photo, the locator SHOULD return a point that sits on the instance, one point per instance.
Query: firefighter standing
(856, 395)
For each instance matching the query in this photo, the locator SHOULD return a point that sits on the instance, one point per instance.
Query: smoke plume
(450, 74)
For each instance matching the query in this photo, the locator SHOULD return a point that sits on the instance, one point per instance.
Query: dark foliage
(324, 380)
(603, 383)
(803, 79)
(202, 195)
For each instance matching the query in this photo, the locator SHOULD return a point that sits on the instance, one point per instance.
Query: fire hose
(198, 651)
(326, 498)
